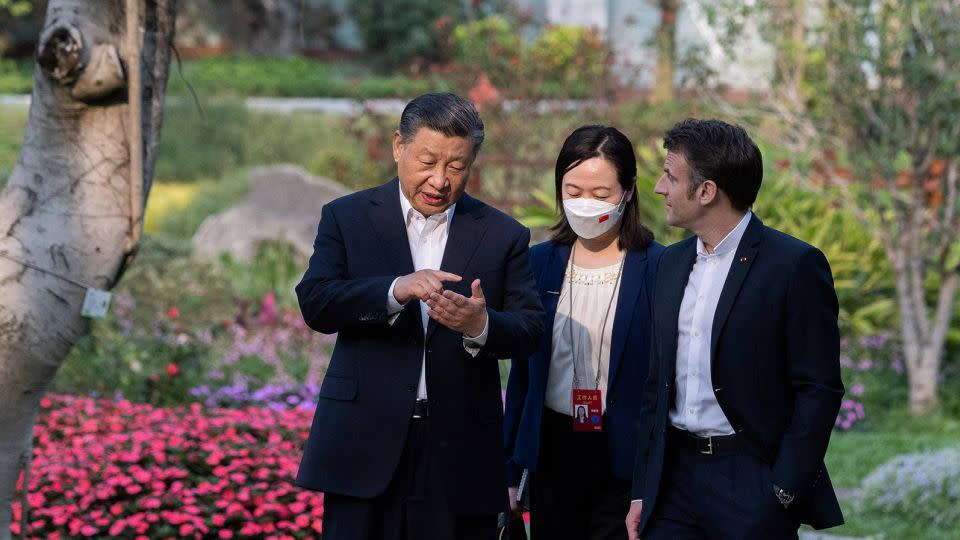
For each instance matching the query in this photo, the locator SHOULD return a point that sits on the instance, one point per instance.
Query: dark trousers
(573, 495)
(414, 506)
(728, 497)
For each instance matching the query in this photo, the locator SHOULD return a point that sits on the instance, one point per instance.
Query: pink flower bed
(122, 470)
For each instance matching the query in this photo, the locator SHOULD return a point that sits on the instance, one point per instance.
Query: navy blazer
(630, 347)
(775, 363)
(367, 395)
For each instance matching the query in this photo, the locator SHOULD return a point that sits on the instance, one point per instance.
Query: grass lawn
(852, 456)
(293, 76)
(887, 527)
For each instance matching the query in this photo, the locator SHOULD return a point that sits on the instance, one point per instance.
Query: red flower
(173, 312)
(172, 370)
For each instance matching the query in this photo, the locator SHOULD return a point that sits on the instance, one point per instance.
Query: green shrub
(12, 123)
(354, 151)
(165, 312)
(570, 60)
(177, 324)
(276, 269)
(139, 367)
(15, 77)
(862, 277)
(918, 488)
(359, 155)
(227, 136)
(399, 32)
(490, 45)
(203, 143)
(562, 62)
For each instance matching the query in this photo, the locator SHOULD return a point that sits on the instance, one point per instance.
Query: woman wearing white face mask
(594, 277)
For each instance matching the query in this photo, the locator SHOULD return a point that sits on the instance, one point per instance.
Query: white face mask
(590, 218)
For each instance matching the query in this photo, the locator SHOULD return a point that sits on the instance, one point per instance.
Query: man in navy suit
(744, 384)
(426, 288)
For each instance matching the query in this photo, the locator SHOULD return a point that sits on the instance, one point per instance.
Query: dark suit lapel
(552, 280)
(631, 283)
(739, 268)
(674, 277)
(390, 226)
(465, 236)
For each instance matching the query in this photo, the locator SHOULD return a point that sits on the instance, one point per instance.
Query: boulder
(283, 204)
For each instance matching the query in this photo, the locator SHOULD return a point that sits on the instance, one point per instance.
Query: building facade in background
(630, 26)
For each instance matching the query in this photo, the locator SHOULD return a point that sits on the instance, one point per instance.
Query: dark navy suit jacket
(630, 347)
(367, 395)
(775, 363)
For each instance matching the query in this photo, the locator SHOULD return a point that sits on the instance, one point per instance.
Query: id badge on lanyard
(587, 410)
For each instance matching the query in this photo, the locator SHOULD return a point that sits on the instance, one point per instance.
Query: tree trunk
(663, 90)
(923, 327)
(69, 215)
(790, 43)
(923, 380)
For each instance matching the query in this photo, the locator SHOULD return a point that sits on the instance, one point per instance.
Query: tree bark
(790, 44)
(923, 380)
(663, 90)
(65, 214)
(923, 326)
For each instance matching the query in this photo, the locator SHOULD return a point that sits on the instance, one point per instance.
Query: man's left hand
(459, 313)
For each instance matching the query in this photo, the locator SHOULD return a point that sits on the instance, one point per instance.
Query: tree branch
(946, 228)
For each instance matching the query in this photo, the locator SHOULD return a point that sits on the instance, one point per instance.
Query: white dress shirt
(696, 409)
(594, 289)
(428, 239)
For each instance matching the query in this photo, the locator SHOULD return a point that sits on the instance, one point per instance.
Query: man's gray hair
(445, 113)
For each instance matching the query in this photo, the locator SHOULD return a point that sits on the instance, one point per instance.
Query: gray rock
(283, 205)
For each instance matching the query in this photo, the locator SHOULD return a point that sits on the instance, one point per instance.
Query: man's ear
(397, 145)
(708, 192)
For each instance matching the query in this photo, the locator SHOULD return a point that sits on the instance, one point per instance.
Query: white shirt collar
(729, 242)
(406, 208)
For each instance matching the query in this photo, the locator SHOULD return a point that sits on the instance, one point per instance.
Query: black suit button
(611, 403)
(411, 387)
(444, 444)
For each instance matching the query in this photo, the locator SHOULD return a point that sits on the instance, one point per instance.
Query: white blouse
(593, 290)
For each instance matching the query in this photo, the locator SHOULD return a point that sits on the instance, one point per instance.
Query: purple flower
(876, 342)
(897, 366)
(850, 413)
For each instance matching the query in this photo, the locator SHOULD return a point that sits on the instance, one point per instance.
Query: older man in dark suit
(744, 384)
(427, 288)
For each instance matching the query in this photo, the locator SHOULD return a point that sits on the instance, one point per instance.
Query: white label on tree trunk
(96, 304)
